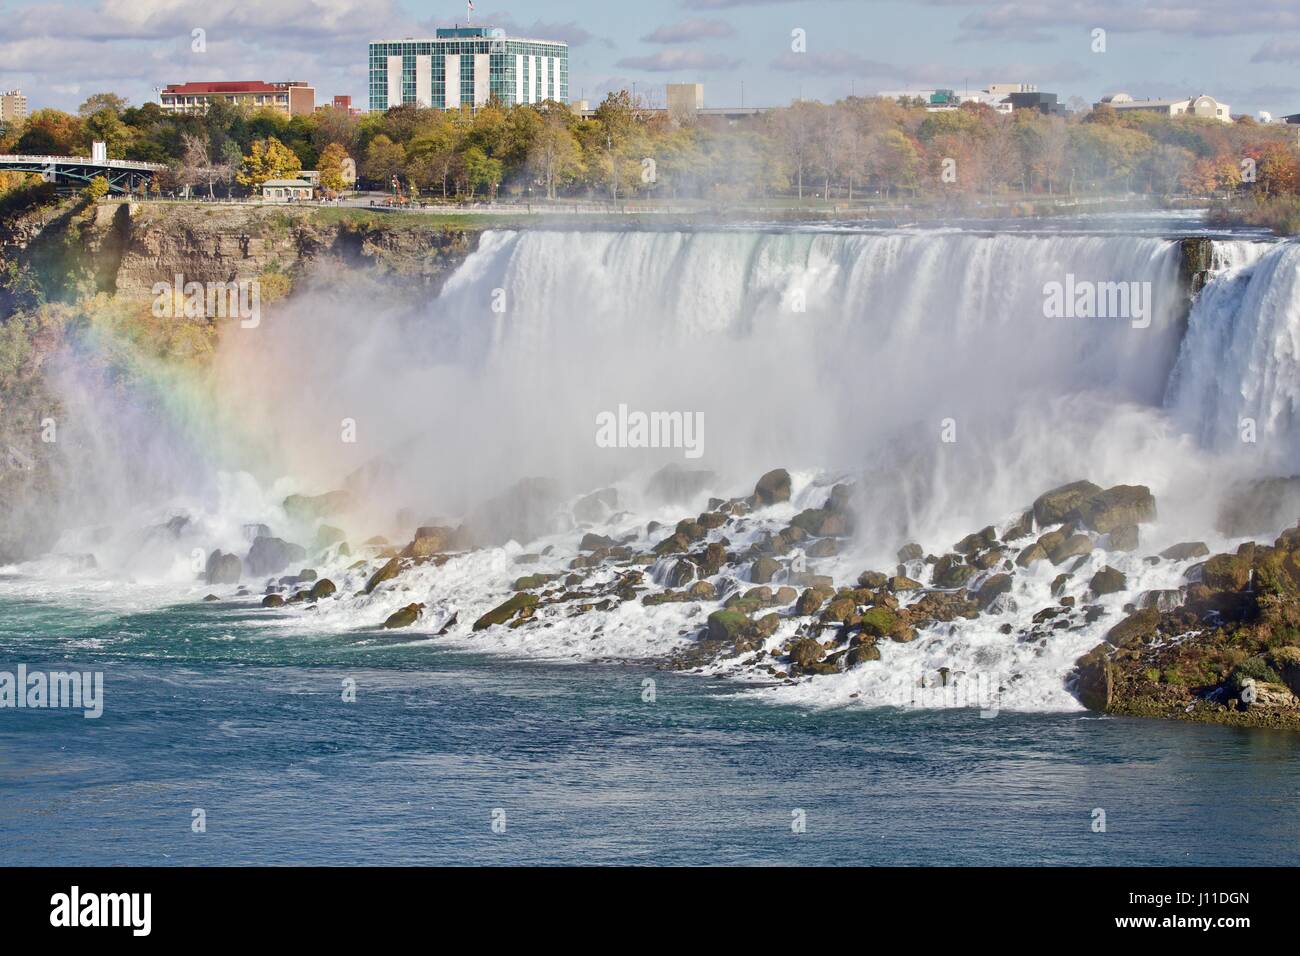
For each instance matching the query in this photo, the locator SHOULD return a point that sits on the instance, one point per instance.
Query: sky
(1246, 54)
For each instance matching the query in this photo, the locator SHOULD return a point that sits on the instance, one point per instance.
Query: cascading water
(921, 364)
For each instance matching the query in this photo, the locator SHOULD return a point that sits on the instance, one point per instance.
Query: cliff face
(63, 264)
(137, 245)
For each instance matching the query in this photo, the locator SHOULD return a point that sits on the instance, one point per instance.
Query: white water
(833, 355)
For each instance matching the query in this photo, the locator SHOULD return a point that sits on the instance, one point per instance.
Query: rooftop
(230, 86)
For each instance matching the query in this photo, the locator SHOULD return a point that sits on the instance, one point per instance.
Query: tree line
(858, 148)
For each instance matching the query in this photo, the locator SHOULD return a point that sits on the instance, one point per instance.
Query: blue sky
(1247, 54)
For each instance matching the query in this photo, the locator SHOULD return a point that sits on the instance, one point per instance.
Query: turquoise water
(250, 726)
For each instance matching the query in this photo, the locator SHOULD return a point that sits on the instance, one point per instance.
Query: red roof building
(292, 98)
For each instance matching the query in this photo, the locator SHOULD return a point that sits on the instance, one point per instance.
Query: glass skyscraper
(467, 66)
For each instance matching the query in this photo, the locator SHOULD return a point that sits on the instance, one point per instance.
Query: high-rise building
(292, 98)
(13, 106)
(467, 66)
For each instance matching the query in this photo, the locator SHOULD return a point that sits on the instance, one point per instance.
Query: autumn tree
(268, 159)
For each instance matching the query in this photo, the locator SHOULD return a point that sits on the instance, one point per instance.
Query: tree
(332, 158)
(268, 159)
(102, 101)
(482, 170)
(384, 160)
(555, 155)
(96, 189)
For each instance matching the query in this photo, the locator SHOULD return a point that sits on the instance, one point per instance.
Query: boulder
(272, 555)
(321, 589)
(1108, 581)
(595, 542)
(1115, 507)
(1069, 547)
(992, 589)
(763, 569)
(812, 599)
(861, 654)
(702, 591)
(910, 552)
(772, 488)
(727, 625)
(327, 535)
(873, 580)
(1185, 551)
(223, 568)
(404, 617)
(806, 652)
(1051, 507)
(1095, 679)
(977, 541)
(1259, 507)
(506, 610)
(389, 571)
(1137, 628)
(680, 574)
(1226, 572)
(1123, 538)
(273, 600)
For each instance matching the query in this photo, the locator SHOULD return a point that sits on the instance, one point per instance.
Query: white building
(1203, 106)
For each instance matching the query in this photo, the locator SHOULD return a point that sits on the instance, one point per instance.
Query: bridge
(123, 175)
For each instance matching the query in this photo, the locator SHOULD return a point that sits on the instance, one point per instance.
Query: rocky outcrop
(272, 555)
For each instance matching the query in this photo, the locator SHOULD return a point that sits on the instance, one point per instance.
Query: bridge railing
(78, 161)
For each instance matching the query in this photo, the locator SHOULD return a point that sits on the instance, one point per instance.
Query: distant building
(291, 98)
(1002, 97)
(1203, 106)
(685, 100)
(287, 190)
(13, 106)
(467, 66)
(1046, 103)
(343, 103)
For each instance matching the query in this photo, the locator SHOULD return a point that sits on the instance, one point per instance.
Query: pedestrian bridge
(123, 175)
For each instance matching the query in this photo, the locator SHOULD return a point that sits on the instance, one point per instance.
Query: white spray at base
(840, 356)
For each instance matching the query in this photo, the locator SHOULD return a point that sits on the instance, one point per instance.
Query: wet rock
(763, 570)
(430, 540)
(680, 574)
(327, 536)
(861, 654)
(273, 600)
(404, 617)
(1095, 679)
(821, 523)
(977, 541)
(910, 552)
(595, 542)
(211, 597)
(1162, 600)
(880, 622)
(321, 589)
(823, 548)
(812, 599)
(1226, 572)
(1022, 528)
(1074, 545)
(1108, 581)
(1115, 507)
(1051, 507)
(727, 625)
(530, 582)
(949, 573)
(1185, 551)
(1138, 627)
(901, 582)
(272, 555)
(992, 589)
(785, 595)
(389, 571)
(1123, 538)
(772, 488)
(873, 580)
(520, 603)
(1035, 552)
(223, 568)
(702, 591)
(1059, 583)
(806, 652)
